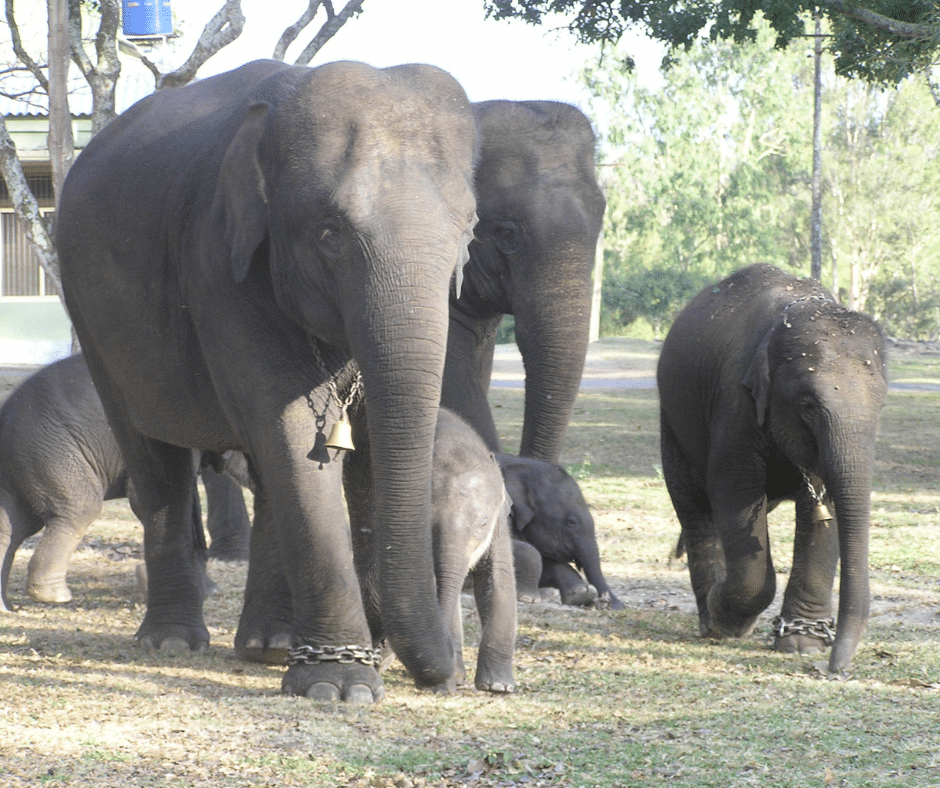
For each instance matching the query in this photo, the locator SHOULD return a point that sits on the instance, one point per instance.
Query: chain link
(824, 629)
(344, 655)
(786, 321)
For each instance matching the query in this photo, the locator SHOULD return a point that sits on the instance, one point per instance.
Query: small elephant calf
(550, 514)
(58, 463)
(470, 522)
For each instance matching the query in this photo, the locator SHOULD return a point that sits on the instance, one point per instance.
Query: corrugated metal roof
(131, 86)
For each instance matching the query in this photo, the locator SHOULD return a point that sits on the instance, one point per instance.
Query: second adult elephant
(533, 252)
(771, 391)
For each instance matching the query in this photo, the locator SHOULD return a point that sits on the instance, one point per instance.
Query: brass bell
(821, 512)
(341, 436)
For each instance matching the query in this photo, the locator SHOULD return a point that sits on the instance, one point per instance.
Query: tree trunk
(816, 217)
(61, 141)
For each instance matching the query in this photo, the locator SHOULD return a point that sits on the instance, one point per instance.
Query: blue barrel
(147, 18)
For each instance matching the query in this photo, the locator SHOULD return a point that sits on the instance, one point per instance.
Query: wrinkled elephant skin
(227, 249)
(771, 391)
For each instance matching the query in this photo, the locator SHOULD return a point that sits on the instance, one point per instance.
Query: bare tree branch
(291, 32)
(332, 25)
(34, 68)
(27, 208)
(219, 32)
(102, 76)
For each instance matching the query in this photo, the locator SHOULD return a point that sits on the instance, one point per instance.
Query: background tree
(705, 171)
(710, 171)
(881, 41)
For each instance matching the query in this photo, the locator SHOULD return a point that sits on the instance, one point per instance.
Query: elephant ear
(463, 256)
(241, 193)
(522, 511)
(757, 379)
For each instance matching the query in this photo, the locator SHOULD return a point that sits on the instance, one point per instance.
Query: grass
(605, 698)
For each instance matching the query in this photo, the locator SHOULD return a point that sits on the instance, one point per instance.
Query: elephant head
(540, 212)
(819, 383)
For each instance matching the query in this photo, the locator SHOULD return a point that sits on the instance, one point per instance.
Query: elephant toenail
(360, 694)
(280, 641)
(174, 645)
(323, 691)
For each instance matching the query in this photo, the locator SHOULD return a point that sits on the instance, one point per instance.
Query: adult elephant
(226, 249)
(771, 391)
(540, 212)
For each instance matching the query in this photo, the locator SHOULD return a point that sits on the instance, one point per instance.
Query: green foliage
(710, 171)
(881, 41)
(704, 174)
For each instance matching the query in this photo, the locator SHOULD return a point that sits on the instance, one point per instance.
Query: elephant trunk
(849, 485)
(401, 372)
(552, 330)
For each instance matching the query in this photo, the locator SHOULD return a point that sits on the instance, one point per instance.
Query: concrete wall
(33, 331)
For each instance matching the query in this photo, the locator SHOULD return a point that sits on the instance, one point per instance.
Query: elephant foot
(54, 590)
(173, 639)
(334, 682)
(529, 597)
(228, 552)
(270, 650)
(496, 680)
(579, 595)
(800, 636)
(727, 623)
(608, 601)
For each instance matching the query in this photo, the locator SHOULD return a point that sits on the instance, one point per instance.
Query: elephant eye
(506, 235)
(328, 237)
(572, 522)
(808, 409)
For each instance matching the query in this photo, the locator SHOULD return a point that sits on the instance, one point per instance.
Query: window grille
(20, 271)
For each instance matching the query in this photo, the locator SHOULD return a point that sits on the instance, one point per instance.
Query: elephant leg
(166, 500)
(495, 594)
(226, 517)
(265, 628)
(357, 485)
(528, 570)
(574, 589)
(47, 569)
(806, 623)
(750, 583)
(699, 539)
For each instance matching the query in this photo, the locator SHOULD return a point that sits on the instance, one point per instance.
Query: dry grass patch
(628, 698)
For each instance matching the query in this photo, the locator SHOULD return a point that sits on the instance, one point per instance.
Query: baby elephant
(58, 463)
(771, 391)
(470, 522)
(550, 514)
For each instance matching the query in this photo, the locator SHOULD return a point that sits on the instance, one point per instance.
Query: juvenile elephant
(58, 463)
(549, 512)
(771, 391)
(227, 249)
(470, 528)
